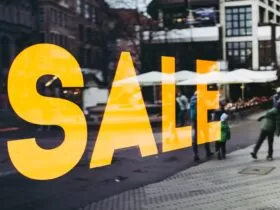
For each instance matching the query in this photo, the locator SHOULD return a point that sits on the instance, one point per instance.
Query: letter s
(31, 64)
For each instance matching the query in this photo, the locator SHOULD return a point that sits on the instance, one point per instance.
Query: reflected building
(185, 31)
(244, 33)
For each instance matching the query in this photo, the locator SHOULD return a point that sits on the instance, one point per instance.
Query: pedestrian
(182, 101)
(276, 97)
(193, 118)
(225, 136)
(270, 126)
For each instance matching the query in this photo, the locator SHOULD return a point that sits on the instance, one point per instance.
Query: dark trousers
(182, 118)
(221, 149)
(194, 141)
(270, 138)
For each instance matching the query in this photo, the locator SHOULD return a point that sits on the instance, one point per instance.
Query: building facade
(244, 33)
(183, 33)
(17, 26)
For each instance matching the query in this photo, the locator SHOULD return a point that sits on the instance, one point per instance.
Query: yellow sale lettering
(120, 127)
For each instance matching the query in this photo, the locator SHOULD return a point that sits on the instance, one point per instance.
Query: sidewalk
(214, 185)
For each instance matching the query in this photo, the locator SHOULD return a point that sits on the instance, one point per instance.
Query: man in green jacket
(270, 126)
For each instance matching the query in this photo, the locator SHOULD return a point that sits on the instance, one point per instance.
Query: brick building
(17, 28)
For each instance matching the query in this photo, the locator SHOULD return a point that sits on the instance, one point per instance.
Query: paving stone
(214, 185)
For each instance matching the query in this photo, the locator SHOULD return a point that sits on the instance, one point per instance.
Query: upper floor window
(87, 11)
(93, 14)
(81, 32)
(42, 14)
(239, 21)
(265, 53)
(79, 6)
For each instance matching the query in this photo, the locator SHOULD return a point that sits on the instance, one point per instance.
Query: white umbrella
(256, 77)
(268, 76)
(184, 75)
(148, 79)
(215, 77)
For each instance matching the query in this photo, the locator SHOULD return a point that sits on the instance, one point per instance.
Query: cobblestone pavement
(214, 185)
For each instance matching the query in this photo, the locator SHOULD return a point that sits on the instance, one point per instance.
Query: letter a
(125, 121)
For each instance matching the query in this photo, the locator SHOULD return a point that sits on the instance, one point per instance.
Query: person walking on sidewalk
(193, 118)
(182, 101)
(271, 124)
(225, 136)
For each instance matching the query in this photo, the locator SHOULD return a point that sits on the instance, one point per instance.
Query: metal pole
(273, 40)
(155, 94)
(243, 91)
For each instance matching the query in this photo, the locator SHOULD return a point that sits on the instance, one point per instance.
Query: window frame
(238, 21)
(239, 51)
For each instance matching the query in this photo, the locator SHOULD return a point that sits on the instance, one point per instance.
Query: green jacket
(271, 121)
(225, 132)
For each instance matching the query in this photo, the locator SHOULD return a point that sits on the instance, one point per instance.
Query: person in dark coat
(193, 118)
(270, 126)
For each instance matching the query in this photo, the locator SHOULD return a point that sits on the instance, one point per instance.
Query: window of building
(78, 6)
(93, 14)
(55, 17)
(60, 17)
(81, 56)
(61, 40)
(88, 57)
(89, 34)
(42, 14)
(239, 54)
(52, 16)
(81, 32)
(262, 14)
(65, 20)
(52, 38)
(87, 15)
(271, 16)
(265, 54)
(42, 37)
(239, 21)
(6, 49)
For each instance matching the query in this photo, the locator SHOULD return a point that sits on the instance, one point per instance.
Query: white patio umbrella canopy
(215, 77)
(268, 76)
(184, 75)
(148, 79)
(255, 76)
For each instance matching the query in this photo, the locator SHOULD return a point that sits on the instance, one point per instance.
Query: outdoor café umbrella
(153, 78)
(255, 76)
(184, 75)
(148, 79)
(215, 77)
